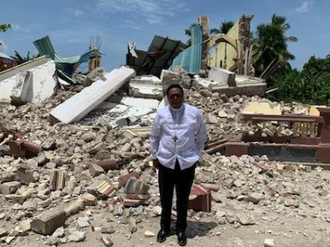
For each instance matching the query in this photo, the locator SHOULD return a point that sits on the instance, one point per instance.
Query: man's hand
(155, 163)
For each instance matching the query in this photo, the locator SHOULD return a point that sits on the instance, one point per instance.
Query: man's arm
(201, 133)
(154, 140)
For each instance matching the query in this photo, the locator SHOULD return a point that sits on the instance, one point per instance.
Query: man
(176, 142)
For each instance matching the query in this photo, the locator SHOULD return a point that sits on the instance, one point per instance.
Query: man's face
(175, 98)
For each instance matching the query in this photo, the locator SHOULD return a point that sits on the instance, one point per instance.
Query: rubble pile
(92, 178)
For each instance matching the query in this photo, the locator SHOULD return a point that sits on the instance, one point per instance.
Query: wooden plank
(78, 106)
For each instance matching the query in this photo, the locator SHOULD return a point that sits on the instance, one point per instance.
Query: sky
(71, 24)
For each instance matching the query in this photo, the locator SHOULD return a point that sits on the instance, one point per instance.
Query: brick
(57, 180)
(200, 198)
(108, 164)
(95, 170)
(135, 186)
(133, 202)
(10, 187)
(47, 222)
(124, 178)
(105, 189)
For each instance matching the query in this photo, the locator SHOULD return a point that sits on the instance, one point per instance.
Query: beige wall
(218, 54)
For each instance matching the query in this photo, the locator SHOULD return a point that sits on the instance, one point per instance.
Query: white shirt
(178, 134)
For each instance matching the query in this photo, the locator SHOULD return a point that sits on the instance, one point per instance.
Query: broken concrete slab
(262, 108)
(78, 106)
(146, 87)
(32, 81)
(9, 187)
(223, 76)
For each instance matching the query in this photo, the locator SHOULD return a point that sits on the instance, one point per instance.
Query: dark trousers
(182, 180)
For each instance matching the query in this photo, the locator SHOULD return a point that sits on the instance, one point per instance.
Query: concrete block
(124, 178)
(222, 75)
(134, 186)
(24, 175)
(49, 221)
(95, 170)
(10, 187)
(89, 199)
(200, 198)
(74, 207)
(169, 77)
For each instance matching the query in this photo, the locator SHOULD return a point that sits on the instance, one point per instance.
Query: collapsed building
(82, 143)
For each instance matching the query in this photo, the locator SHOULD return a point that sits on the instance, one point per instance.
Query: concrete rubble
(98, 178)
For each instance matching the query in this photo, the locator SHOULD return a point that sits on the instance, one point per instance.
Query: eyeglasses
(178, 96)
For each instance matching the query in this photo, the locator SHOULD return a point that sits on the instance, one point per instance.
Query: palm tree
(188, 33)
(270, 45)
(224, 28)
(19, 59)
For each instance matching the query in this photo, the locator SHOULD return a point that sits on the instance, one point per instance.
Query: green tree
(188, 33)
(19, 59)
(224, 28)
(310, 86)
(270, 45)
(4, 28)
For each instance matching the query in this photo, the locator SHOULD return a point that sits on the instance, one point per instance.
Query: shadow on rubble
(197, 228)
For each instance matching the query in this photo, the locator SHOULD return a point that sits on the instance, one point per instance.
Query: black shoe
(182, 238)
(161, 236)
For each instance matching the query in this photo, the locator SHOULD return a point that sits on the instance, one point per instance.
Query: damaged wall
(30, 82)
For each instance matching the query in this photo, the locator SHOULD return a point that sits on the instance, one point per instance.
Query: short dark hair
(174, 86)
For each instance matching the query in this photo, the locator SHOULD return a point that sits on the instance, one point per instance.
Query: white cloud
(19, 28)
(152, 11)
(3, 46)
(305, 7)
(76, 12)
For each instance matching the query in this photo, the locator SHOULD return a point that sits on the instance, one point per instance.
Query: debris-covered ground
(255, 202)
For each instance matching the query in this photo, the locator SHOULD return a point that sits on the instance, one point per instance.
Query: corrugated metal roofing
(3, 55)
(159, 56)
(191, 58)
(45, 47)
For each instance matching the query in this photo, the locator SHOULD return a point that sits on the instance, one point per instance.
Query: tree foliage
(19, 59)
(224, 28)
(310, 86)
(4, 28)
(270, 44)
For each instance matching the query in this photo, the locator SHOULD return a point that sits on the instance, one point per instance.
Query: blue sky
(71, 23)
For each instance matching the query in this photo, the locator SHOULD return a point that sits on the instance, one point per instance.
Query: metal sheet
(191, 58)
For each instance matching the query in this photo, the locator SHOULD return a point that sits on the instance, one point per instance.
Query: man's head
(175, 95)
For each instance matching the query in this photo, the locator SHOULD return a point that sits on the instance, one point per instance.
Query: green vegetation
(4, 28)
(19, 59)
(224, 28)
(271, 60)
(310, 86)
(270, 45)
